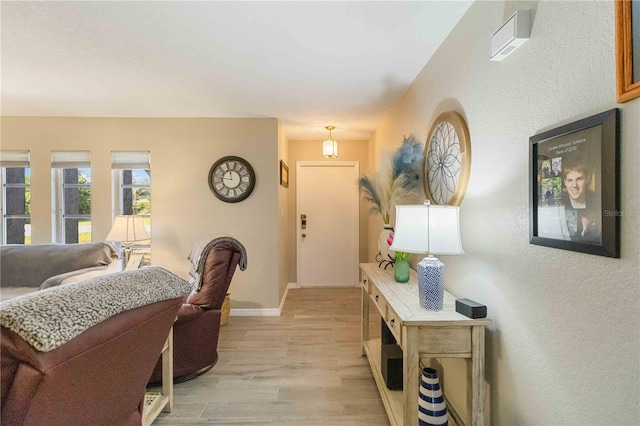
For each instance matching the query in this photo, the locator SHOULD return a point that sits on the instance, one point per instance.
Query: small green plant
(400, 255)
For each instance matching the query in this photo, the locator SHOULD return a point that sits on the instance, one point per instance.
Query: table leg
(364, 323)
(410, 374)
(167, 373)
(477, 376)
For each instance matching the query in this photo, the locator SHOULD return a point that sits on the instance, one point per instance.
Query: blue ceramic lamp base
(431, 283)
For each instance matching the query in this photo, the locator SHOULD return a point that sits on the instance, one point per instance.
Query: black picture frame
(574, 201)
(284, 174)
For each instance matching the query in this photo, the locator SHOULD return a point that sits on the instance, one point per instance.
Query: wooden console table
(420, 334)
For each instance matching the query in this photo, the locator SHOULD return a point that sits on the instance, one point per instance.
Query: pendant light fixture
(330, 146)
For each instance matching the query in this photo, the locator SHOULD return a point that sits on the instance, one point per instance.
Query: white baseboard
(284, 297)
(271, 312)
(268, 312)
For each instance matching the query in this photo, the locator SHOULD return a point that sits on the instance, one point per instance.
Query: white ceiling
(310, 64)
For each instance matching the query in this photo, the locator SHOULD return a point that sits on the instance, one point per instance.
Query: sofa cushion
(30, 265)
(49, 318)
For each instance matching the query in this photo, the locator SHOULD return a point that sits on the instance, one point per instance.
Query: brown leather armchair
(197, 328)
(53, 376)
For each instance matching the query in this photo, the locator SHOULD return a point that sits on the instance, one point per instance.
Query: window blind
(131, 160)
(70, 159)
(14, 158)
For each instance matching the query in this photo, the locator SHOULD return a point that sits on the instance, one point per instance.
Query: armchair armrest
(188, 313)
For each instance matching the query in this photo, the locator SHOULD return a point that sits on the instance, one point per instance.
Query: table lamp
(128, 229)
(431, 229)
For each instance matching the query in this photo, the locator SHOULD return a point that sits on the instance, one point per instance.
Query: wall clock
(232, 179)
(447, 160)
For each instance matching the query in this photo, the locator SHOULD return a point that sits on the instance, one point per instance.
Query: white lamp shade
(128, 228)
(444, 230)
(427, 229)
(411, 233)
(330, 148)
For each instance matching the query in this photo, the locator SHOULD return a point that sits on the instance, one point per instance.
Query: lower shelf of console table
(421, 334)
(391, 399)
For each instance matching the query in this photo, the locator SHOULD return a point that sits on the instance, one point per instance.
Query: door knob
(304, 235)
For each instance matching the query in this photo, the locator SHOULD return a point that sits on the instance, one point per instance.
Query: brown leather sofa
(197, 328)
(99, 376)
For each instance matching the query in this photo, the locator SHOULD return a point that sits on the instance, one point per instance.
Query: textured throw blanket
(198, 260)
(49, 318)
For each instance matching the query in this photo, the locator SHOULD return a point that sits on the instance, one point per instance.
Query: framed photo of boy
(574, 186)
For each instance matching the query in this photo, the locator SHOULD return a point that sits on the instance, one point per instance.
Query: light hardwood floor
(301, 368)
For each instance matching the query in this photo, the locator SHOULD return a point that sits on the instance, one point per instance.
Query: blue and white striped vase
(431, 283)
(432, 410)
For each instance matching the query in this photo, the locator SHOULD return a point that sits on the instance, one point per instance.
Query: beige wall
(564, 347)
(312, 151)
(183, 207)
(286, 252)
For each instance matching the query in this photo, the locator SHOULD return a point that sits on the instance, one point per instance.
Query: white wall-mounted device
(511, 35)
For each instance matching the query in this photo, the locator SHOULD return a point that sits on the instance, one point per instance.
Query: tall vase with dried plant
(398, 177)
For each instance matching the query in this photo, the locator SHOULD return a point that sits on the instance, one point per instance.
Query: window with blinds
(71, 177)
(16, 197)
(131, 172)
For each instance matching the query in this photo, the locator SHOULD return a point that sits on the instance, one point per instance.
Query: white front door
(327, 223)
